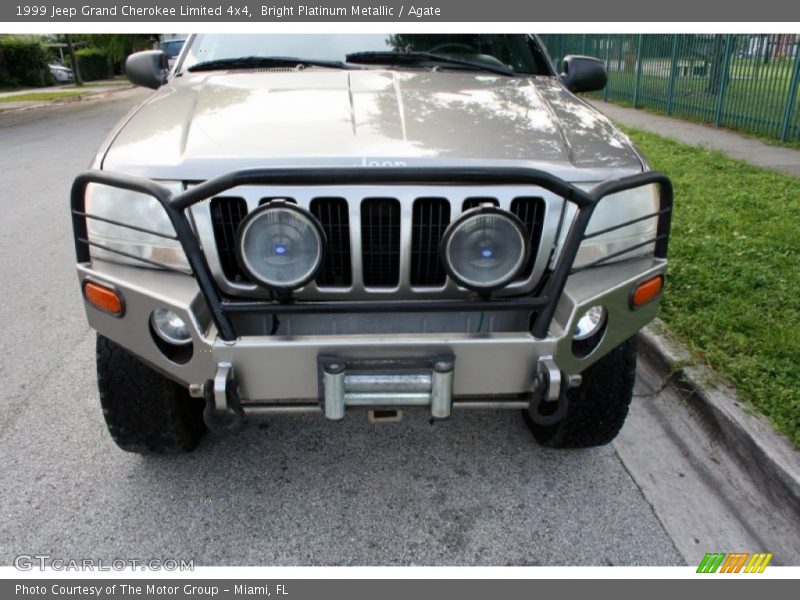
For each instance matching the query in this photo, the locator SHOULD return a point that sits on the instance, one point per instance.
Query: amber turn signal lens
(104, 298)
(647, 291)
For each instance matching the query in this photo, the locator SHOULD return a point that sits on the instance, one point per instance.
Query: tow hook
(223, 412)
(550, 393)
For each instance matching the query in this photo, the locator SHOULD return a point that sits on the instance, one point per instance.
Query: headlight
(613, 210)
(280, 246)
(139, 210)
(485, 248)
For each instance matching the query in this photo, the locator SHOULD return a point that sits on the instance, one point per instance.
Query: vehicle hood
(205, 124)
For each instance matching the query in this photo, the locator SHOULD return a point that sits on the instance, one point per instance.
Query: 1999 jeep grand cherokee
(317, 223)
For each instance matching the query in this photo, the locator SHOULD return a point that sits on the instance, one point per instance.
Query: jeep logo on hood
(374, 162)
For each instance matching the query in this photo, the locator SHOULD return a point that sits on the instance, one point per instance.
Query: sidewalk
(754, 151)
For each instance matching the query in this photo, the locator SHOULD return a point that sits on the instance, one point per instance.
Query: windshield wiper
(261, 62)
(377, 58)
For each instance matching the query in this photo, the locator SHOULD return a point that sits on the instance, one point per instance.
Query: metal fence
(747, 82)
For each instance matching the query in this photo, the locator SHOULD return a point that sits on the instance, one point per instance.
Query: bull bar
(543, 303)
(437, 387)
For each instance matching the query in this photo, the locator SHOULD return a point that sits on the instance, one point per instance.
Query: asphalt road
(293, 490)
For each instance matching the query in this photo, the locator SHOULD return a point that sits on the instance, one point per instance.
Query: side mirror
(148, 68)
(583, 74)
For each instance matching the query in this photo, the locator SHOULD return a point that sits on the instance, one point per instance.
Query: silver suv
(319, 224)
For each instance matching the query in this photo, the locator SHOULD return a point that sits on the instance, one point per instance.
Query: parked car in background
(61, 73)
(171, 49)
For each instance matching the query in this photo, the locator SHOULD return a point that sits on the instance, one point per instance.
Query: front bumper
(272, 369)
(276, 373)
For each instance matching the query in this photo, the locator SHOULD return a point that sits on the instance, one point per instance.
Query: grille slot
(380, 241)
(226, 215)
(430, 218)
(336, 269)
(477, 201)
(530, 211)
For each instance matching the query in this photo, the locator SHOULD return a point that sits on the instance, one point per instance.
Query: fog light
(170, 327)
(484, 249)
(590, 323)
(280, 246)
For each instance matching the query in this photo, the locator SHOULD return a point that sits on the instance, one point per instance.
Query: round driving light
(485, 248)
(280, 246)
(170, 327)
(590, 323)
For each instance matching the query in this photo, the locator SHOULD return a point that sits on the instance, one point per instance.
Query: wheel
(597, 408)
(145, 412)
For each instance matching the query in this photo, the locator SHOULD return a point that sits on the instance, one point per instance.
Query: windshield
(518, 52)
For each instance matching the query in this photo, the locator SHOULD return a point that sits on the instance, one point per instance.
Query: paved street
(293, 490)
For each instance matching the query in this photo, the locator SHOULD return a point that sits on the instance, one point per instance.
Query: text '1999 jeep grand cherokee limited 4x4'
(321, 223)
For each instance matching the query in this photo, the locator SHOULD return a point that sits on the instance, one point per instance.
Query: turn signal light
(103, 298)
(647, 291)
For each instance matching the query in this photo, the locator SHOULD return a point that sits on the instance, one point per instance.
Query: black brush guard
(542, 304)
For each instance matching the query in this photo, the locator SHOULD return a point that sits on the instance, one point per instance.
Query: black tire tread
(145, 412)
(598, 407)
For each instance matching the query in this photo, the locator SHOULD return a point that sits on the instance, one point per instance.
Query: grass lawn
(103, 83)
(40, 96)
(733, 288)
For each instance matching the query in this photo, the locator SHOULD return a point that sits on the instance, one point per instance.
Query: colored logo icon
(735, 562)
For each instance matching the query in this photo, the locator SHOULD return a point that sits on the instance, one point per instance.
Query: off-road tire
(597, 408)
(145, 412)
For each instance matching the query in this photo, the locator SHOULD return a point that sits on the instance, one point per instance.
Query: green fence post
(723, 84)
(673, 73)
(787, 115)
(638, 78)
(583, 44)
(608, 66)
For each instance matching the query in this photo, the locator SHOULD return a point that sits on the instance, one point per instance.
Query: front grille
(531, 212)
(336, 267)
(226, 215)
(430, 218)
(380, 241)
(378, 224)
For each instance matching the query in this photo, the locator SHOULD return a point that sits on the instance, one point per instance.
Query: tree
(717, 57)
(76, 73)
(4, 72)
(119, 45)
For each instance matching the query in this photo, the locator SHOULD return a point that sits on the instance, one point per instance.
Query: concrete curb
(766, 455)
(89, 96)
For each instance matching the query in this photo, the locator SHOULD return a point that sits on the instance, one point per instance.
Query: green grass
(733, 289)
(40, 96)
(103, 83)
